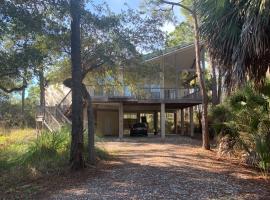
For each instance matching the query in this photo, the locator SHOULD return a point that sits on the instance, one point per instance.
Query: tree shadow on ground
(171, 173)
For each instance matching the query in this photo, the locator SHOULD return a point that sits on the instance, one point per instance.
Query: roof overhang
(182, 58)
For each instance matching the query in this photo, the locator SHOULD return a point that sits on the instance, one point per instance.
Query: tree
(109, 41)
(215, 95)
(192, 10)
(20, 23)
(76, 151)
(238, 37)
(183, 34)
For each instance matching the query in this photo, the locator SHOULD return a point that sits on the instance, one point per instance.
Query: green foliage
(244, 116)
(183, 34)
(19, 56)
(263, 150)
(48, 147)
(237, 36)
(35, 156)
(12, 118)
(10, 109)
(48, 152)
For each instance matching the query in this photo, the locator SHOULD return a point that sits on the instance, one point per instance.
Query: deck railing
(144, 93)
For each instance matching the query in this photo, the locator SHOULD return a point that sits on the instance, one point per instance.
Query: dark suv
(139, 129)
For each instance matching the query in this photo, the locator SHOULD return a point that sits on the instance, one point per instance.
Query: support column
(175, 122)
(121, 121)
(191, 122)
(162, 121)
(178, 120)
(182, 121)
(138, 117)
(156, 121)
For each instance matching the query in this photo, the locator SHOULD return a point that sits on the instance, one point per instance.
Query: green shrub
(244, 116)
(263, 150)
(45, 153)
(48, 151)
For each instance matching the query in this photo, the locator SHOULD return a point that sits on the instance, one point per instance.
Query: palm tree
(238, 37)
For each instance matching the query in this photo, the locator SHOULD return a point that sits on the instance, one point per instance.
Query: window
(130, 116)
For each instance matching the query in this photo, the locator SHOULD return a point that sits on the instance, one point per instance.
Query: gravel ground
(146, 168)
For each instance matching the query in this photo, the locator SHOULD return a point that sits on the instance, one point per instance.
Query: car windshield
(139, 125)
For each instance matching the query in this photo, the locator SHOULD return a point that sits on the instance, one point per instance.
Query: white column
(182, 121)
(121, 121)
(191, 122)
(162, 121)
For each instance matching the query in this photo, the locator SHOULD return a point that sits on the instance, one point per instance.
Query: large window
(130, 116)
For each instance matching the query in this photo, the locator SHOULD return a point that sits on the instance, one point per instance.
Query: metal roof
(166, 51)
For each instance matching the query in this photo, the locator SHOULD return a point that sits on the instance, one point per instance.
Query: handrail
(123, 86)
(64, 98)
(144, 93)
(52, 117)
(63, 116)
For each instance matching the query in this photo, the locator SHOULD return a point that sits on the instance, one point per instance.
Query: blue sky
(118, 5)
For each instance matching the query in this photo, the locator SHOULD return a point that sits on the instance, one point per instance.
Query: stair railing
(66, 101)
(50, 121)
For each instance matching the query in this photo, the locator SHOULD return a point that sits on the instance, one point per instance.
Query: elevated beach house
(165, 88)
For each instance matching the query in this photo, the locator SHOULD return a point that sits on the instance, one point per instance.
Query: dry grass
(28, 161)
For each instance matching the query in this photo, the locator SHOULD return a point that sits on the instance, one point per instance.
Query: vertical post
(177, 78)
(156, 121)
(138, 117)
(178, 112)
(175, 122)
(121, 121)
(182, 121)
(191, 121)
(162, 78)
(162, 121)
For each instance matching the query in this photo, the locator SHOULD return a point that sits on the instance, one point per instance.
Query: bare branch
(15, 89)
(93, 67)
(178, 4)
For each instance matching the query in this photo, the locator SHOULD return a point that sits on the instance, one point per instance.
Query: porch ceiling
(181, 59)
(156, 106)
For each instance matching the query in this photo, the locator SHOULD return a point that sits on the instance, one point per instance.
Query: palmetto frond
(238, 36)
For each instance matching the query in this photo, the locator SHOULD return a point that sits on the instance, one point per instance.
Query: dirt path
(178, 169)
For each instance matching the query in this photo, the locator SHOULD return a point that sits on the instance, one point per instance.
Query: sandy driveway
(178, 169)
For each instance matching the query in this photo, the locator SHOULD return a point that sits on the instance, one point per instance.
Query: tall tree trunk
(42, 90)
(91, 128)
(76, 151)
(205, 131)
(219, 84)
(23, 99)
(214, 84)
(23, 106)
(91, 133)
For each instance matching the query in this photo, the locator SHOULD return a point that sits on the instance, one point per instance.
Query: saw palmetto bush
(244, 117)
(237, 34)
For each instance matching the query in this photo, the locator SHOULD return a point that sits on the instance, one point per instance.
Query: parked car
(139, 129)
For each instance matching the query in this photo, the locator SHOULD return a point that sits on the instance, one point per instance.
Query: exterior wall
(54, 94)
(107, 123)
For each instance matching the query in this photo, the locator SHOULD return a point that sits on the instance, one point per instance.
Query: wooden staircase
(55, 117)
